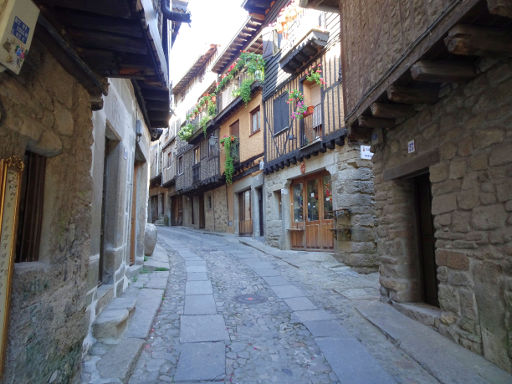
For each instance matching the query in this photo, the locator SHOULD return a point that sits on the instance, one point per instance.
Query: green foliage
(186, 132)
(245, 90)
(204, 123)
(229, 143)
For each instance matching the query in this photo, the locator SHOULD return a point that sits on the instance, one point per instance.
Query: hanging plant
(253, 63)
(229, 143)
(300, 107)
(245, 90)
(314, 74)
(204, 123)
(186, 132)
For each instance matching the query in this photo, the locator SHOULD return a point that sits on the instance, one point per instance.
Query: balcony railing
(312, 130)
(226, 96)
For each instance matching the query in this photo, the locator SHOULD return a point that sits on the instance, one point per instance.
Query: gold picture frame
(11, 170)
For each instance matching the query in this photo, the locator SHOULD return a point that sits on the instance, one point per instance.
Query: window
(197, 155)
(281, 113)
(212, 146)
(255, 120)
(180, 165)
(276, 42)
(169, 158)
(31, 208)
(209, 201)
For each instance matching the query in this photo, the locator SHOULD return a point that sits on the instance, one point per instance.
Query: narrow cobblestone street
(297, 323)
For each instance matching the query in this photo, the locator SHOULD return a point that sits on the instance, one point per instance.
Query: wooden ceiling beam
(100, 40)
(500, 8)
(471, 40)
(413, 94)
(81, 20)
(374, 122)
(116, 8)
(391, 111)
(442, 71)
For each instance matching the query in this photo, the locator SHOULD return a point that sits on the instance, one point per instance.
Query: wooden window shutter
(31, 208)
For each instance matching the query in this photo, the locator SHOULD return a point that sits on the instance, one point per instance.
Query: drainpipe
(169, 14)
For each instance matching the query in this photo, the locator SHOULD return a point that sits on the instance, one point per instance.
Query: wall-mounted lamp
(138, 130)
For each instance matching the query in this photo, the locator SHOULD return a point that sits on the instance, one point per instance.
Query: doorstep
(447, 361)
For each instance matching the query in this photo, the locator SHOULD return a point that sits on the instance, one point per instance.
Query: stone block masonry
(46, 111)
(471, 128)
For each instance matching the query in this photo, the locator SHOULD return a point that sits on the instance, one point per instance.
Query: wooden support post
(500, 8)
(374, 122)
(470, 40)
(442, 71)
(413, 94)
(391, 111)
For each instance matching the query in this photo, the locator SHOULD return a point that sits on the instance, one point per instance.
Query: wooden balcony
(309, 136)
(312, 127)
(168, 175)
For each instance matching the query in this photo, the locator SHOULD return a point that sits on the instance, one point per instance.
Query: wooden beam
(470, 40)
(78, 19)
(374, 122)
(413, 94)
(391, 111)
(500, 8)
(442, 71)
(100, 40)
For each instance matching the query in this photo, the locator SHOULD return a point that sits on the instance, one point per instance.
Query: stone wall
(115, 124)
(471, 128)
(217, 217)
(352, 183)
(46, 111)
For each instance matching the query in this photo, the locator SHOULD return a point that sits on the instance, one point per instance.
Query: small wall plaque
(411, 148)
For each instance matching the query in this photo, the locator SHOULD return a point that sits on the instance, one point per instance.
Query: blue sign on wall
(20, 30)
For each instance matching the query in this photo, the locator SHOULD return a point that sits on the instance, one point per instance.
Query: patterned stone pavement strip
(296, 335)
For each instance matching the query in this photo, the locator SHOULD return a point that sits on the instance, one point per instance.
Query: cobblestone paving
(267, 342)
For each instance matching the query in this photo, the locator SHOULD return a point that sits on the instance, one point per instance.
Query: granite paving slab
(201, 287)
(200, 305)
(326, 328)
(267, 272)
(120, 359)
(276, 280)
(196, 328)
(315, 314)
(197, 276)
(351, 362)
(287, 291)
(196, 268)
(300, 303)
(201, 361)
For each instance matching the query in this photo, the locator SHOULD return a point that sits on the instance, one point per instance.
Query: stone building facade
(470, 132)
(318, 189)
(436, 110)
(82, 137)
(46, 111)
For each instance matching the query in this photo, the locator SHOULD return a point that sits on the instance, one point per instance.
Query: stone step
(104, 295)
(110, 324)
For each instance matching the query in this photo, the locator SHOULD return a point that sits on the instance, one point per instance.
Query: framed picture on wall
(10, 183)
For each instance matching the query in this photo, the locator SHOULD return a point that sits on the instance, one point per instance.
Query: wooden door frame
(304, 180)
(133, 220)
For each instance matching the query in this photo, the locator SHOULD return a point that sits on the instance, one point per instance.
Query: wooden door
(426, 239)
(312, 213)
(201, 212)
(312, 207)
(244, 213)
